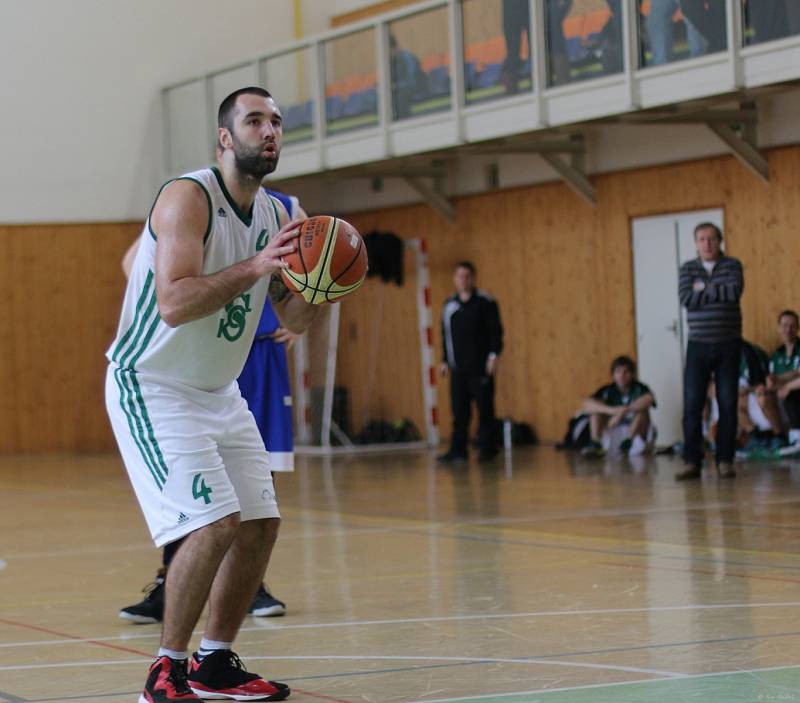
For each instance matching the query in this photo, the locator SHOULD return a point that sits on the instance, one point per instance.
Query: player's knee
(228, 525)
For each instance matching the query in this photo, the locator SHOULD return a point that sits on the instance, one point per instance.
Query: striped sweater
(712, 300)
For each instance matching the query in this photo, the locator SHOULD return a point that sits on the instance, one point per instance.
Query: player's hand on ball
(282, 244)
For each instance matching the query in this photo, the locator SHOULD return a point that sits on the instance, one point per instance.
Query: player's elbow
(171, 315)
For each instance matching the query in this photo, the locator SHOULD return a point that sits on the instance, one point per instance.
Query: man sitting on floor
(784, 372)
(620, 413)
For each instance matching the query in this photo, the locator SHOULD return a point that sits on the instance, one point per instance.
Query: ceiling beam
(743, 150)
(434, 198)
(573, 177)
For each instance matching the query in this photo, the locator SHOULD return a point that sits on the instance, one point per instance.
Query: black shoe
(725, 470)
(593, 450)
(265, 605)
(451, 458)
(487, 455)
(151, 609)
(166, 683)
(690, 472)
(221, 674)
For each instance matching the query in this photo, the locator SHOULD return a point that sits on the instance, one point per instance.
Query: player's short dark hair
(625, 361)
(790, 313)
(228, 105)
(708, 225)
(466, 265)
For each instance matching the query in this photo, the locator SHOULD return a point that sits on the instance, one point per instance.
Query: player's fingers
(289, 231)
(283, 251)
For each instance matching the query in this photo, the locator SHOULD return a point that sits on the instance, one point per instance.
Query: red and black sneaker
(167, 682)
(221, 674)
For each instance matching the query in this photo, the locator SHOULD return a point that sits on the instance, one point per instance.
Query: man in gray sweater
(710, 287)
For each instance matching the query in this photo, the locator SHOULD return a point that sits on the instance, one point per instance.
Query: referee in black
(472, 336)
(710, 288)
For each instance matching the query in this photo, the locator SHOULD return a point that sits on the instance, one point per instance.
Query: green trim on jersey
(245, 217)
(208, 200)
(781, 362)
(125, 355)
(129, 407)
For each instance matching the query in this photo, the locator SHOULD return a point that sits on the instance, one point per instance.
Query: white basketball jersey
(208, 353)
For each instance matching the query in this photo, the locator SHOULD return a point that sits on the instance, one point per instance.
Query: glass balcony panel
(673, 30)
(351, 87)
(420, 64)
(584, 39)
(291, 79)
(768, 20)
(497, 49)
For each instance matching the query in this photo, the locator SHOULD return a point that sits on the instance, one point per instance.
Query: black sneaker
(593, 450)
(265, 605)
(487, 455)
(451, 458)
(221, 674)
(690, 472)
(151, 609)
(166, 682)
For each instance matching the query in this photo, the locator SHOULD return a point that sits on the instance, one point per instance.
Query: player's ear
(224, 136)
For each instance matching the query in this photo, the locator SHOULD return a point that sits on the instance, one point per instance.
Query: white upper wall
(80, 83)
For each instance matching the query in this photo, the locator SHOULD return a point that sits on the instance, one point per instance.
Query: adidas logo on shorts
(182, 518)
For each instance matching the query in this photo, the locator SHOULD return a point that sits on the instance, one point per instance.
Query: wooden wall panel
(560, 270)
(63, 286)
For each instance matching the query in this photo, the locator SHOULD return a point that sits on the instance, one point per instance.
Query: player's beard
(250, 160)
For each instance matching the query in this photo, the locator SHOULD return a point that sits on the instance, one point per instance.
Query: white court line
(275, 627)
(148, 546)
(543, 691)
(348, 657)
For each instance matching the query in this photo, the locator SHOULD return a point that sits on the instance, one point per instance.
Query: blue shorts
(264, 384)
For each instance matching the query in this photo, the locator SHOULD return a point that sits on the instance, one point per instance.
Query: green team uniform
(612, 395)
(781, 361)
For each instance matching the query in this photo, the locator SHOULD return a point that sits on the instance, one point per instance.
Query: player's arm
(594, 406)
(643, 402)
(179, 221)
(294, 313)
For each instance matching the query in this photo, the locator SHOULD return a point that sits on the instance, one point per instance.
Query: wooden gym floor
(545, 579)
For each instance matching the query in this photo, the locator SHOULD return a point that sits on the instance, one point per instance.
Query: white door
(660, 245)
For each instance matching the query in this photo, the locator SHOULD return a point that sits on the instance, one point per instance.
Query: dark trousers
(464, 388)
(702, 360)
(791, 407)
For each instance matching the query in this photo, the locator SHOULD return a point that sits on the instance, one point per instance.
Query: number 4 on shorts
(200, 490)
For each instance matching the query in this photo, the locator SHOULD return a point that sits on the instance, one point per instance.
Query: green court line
(780, 685)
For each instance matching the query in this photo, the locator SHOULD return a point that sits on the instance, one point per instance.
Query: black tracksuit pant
(464, 388)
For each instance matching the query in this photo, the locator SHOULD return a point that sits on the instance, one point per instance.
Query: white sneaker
(638, 446)
(794, 436)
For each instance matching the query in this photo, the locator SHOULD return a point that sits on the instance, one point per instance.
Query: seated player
(620, 413)
(784, 372)
(758, 423)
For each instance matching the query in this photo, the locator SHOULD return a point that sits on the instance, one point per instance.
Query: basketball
(330, 261)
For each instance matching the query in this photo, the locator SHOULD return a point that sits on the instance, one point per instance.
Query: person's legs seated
(597, 424)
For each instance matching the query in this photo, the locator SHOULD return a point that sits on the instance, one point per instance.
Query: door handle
(673, 328)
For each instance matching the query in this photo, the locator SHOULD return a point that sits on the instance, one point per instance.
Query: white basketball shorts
(192, 456)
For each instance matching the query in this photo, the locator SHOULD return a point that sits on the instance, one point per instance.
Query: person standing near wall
(472, 336)
(710, 288)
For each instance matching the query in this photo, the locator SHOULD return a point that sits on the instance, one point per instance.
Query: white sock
(171, 653)
(208, 646)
